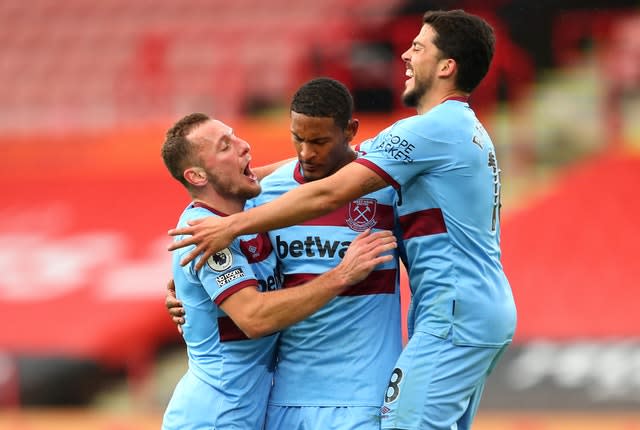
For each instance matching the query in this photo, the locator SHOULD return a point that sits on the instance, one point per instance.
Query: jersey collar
(463, 99)
(198, 204)
(297, 174)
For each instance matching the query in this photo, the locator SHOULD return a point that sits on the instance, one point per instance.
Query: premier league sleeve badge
(221, 260)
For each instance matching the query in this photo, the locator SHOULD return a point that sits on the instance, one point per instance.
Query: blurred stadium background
(87, 90)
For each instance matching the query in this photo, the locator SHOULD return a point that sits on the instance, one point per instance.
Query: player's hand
(209, 235)
(366, 252)
(174, 306)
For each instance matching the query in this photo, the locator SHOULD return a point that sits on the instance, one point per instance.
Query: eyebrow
(225, 136)
(314, 140)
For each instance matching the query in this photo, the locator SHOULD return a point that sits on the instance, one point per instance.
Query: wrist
(338, 279)
(232, 224)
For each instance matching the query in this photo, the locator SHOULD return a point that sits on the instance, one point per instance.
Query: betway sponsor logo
(270, 284)
(311, 246)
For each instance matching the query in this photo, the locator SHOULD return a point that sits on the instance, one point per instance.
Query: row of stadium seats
(75, 63)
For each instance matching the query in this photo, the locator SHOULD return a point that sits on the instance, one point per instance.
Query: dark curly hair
(324, 98)
(466, 38)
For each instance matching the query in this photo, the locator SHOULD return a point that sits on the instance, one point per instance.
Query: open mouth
(409, 74)
(249, 173)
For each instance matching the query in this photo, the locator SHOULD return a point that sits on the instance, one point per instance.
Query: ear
(448, 67)
(196, 176)
(352, 129)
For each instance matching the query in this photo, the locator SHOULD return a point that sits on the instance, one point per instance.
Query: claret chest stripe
(423, 223)
(353, 215)
(229, 330)
(378, 282)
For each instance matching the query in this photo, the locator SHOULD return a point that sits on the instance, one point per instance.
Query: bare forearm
(293, 207)
(308, 201)
(263, 313)
(280, 309)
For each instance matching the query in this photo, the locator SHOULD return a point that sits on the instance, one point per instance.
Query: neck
(225, 205)
(348, 158)
(351, 155)
(428, 102)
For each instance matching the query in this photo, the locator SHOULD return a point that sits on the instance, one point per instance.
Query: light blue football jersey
(444, 167)
(239, 370)
(343, 354)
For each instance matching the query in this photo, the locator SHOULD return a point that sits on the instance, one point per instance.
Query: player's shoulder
(437, 124)
(189, 213)
(194, 212)
(415, 124)
(278, 182)
(451, 115)
(283, 172)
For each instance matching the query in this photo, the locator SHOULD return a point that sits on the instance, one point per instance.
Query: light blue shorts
(322, 418)
(436, 384)
(197, 405)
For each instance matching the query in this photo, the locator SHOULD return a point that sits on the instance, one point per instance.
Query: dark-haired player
(443, 165)
(230, 319)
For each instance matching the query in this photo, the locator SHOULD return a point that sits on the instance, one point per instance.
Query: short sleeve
(226, 272)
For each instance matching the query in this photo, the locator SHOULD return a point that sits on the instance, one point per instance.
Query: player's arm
(262, 171)
(294, 207)
(174, 306)
(261, 313)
